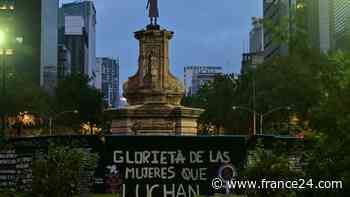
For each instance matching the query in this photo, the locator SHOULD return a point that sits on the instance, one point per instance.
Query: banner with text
(157, 166)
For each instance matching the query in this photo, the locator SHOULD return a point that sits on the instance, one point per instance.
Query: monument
(153, 93)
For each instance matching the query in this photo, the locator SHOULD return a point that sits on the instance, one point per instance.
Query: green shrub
(58, 175)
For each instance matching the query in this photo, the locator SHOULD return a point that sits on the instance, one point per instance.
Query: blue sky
(207, 32)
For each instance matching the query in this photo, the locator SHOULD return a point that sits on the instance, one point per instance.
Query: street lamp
(249, 110)
(254, 98)
(5, 50)
(2, 54)
(52, 118)
(261, 115)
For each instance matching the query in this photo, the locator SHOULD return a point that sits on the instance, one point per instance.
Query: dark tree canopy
(75, 93)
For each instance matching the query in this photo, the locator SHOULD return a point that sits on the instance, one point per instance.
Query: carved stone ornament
(153, 82)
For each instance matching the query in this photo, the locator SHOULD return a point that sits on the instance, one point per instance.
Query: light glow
(300, 6)
(85, 129)
(9, 52)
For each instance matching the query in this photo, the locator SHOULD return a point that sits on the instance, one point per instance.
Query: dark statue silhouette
(153, 14)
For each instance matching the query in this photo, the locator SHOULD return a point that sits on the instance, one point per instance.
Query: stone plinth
(155, 119)
(153, 93)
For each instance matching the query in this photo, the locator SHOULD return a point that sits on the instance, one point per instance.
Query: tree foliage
(272, 164)
(75, 93)
(316, 85)
(329, 150)
(23, 95)
(217, 98)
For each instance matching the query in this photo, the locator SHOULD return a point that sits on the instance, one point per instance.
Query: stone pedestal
(155, 120)
(153, 93)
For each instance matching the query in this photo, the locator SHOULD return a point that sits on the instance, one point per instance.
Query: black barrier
(170, 166)
(8, 169)
(137, 166)
(17, 158)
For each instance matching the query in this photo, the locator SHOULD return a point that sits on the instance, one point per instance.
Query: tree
(291, 29)
(75, 93)
(328, 151)
(23, 95)
(296, 78)
(217, 98)
(318, 85)
(272, 164)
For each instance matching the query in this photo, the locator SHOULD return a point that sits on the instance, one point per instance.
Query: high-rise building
(276, 12)
(33, 26)
(318, 17)
(78, 33)
(256, 36)
(256, 46)
(327, 23)
(340, 23)
(251, 61)
(109, 69)
(196, 76)
(74, 38)
(64, 61)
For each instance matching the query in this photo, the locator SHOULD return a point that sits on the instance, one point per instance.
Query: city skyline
(102, 98)
(222, 43)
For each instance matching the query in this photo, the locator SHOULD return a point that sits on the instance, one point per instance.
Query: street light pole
(254, 101)
(254, 122)
(254, 115)
(3, 90)
(261, 115)
(261, 123)
(267, 113)
(50, 125)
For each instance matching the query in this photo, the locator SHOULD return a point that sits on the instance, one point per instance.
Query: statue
(153, 14)
(148, 66)
(153, 93)
(150, 70)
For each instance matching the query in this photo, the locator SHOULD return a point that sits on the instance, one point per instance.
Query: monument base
(153, 27)
(154, 119)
